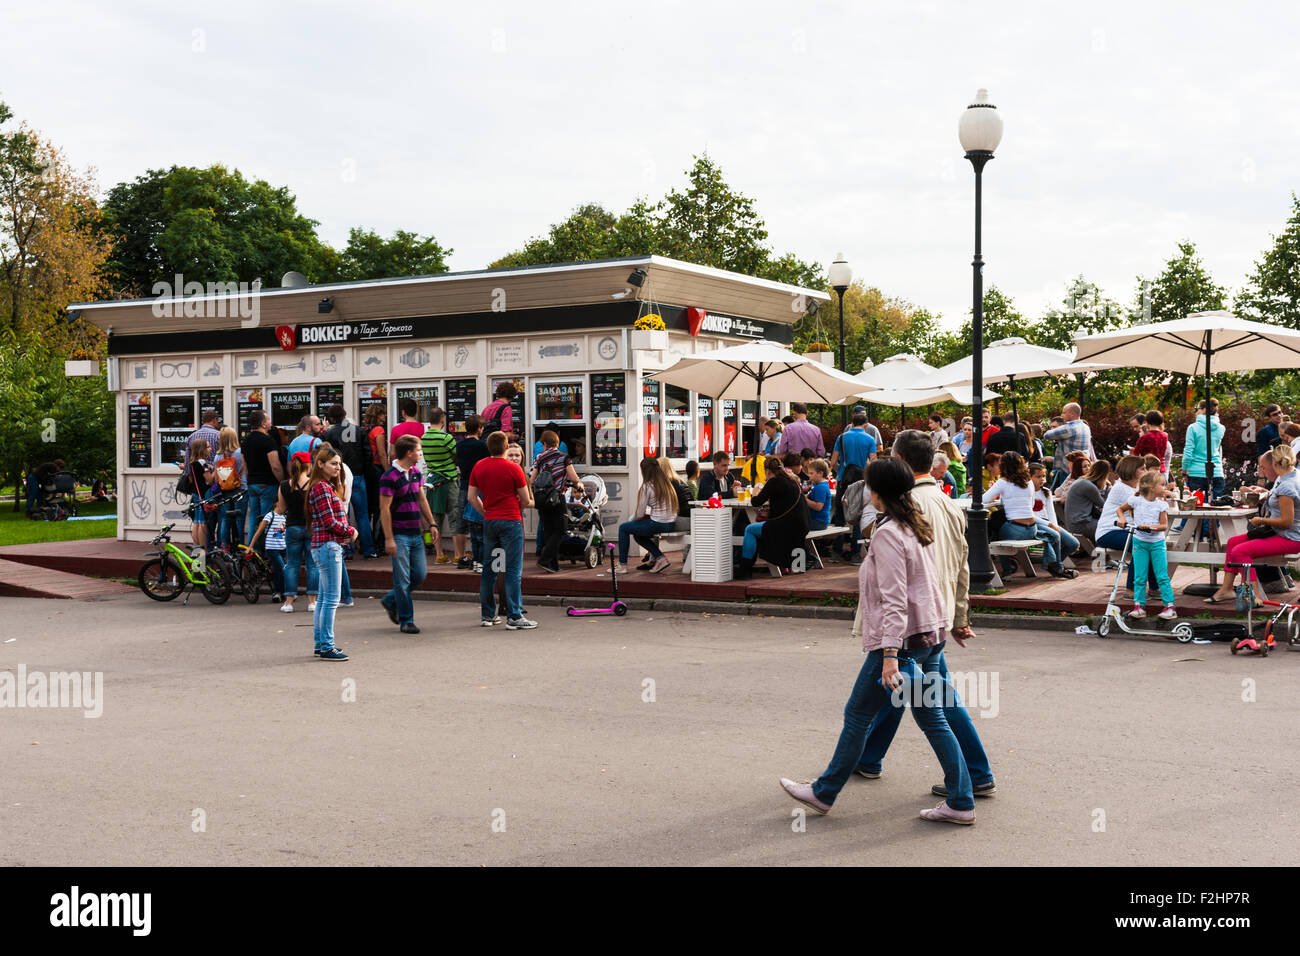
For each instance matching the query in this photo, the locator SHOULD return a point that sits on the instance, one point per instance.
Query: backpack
(227, 470)
(494, 424)
(186, 484)
(852, 499)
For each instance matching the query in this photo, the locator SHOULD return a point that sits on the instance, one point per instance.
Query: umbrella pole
(1209, 460)
(901, 412)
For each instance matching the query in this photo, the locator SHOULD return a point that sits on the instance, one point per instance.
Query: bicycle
(253, 573)
(172, 571)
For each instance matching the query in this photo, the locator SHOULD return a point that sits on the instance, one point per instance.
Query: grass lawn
(17, 528)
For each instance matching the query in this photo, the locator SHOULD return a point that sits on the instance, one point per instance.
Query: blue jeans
(260, 499)
(297, 549)
(409, 570)
(35, 493)
(1197, 483)
(1028, 532)
(1114, 540)
(886, 724)
(275, 558)
(1068, 542)
(749, 548)
(868, 699)
(361, 513)
(329, 559)
(641, 529)
(475, 540)
(503, 546)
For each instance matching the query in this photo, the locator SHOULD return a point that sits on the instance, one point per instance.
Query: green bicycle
(172, 571)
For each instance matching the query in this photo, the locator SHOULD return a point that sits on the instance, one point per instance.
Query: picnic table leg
(1026, 562)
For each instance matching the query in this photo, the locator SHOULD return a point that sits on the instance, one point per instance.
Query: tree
(707, 223)
(209, 225)
(369, 255)
(1272, 293)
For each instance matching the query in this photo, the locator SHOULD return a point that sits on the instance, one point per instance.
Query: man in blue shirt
(1268, 436)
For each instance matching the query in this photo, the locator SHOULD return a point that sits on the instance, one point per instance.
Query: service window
(677, 421)
(288, 406)
(425, 398)
(704, 427)
(559, 405)
(518, 420)
(609, 418)
(177, 418)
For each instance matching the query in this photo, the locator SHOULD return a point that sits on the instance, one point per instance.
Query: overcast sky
(1129, 126)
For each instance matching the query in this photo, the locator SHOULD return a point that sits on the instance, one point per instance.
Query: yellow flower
(651, 321)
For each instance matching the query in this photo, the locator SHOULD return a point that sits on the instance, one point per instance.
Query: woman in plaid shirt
(328, 520)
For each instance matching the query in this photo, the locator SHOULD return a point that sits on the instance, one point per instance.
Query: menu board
(213, 400)
(176, 411)
(424, 396)
(650, 417)
(247, 401)
(608, 418)
(462, 402)
(171, 447)
(730, 425)
(288, 406)
(704, 418)
(774, 410)
(518, 419)
(368, 395)
(140, 429)
(559, 401)
(327, 395)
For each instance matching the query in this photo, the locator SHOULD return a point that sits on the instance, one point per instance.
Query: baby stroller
(583, 533)
(60, 497)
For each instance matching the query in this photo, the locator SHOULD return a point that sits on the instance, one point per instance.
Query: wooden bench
(1020, 551)
(830, 531)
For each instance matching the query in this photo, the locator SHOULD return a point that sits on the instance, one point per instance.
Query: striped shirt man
(406, 488)
(439, 449)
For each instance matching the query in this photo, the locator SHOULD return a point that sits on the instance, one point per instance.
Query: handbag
(1255, 532)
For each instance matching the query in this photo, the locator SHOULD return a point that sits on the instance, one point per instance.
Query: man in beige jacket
(950, 559)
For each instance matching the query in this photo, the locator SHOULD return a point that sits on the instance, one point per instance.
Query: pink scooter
(617, 608)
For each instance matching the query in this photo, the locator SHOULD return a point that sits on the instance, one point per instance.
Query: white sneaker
(311, 606)
(1137, 612)
(520, 624)
(286, 608)
(1168, 614)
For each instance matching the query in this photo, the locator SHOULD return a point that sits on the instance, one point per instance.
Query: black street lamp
(841, 275)
(980, 131)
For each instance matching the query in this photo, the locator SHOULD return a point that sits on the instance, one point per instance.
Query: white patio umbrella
(1007, 360)
(761, 369)
(897, 371)
(1195, 345)
(902, 398)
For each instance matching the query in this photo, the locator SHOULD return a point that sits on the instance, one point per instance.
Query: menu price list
(368, 395)
(327, 395)
(247, 401)
(212, 400)
(462, 402)
(139, 424)
(608, 404)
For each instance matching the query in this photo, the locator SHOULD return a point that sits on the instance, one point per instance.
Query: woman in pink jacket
(903, 632)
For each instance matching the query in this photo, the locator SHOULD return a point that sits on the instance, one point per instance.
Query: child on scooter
(1150, 514)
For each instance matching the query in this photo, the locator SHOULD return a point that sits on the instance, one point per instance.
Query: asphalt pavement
(652, 739)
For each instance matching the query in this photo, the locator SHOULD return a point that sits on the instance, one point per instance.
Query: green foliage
(37, 402)
(369, 255)
(1272, 293)
(209, 225)
(707, 223)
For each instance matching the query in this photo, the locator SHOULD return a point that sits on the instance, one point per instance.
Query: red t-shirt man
(498, 482)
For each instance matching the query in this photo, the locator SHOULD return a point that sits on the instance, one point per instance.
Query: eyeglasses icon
(175, 369)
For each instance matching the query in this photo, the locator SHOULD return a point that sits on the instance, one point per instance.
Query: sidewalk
(1086, 594)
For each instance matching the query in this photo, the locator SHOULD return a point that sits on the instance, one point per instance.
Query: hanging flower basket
(81, 368)
(821, 352)
(652, 339)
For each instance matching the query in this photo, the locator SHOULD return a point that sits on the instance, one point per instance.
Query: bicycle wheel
(250, 580)
(162, 579)
(221, 579)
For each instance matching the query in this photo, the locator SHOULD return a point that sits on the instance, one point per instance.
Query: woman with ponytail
(904, 627)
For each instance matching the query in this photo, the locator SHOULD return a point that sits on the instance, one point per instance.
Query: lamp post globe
(979, 132)
(841, 275)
